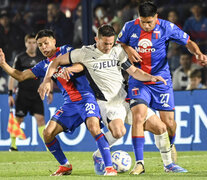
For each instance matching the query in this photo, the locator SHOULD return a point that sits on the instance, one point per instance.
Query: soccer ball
(121, 161)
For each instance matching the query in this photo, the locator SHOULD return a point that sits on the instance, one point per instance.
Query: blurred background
(75, 22)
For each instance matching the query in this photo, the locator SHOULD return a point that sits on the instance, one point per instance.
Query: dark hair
(147, 9)
(45, 33)
(29, 36)
(195, 73)
(106, 30)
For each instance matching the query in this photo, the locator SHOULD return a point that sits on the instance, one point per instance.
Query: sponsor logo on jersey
(135, 92)
(144, 46)
(184, 35)
(172, 25)
(105, 64)
(134, 35)
(46, 65)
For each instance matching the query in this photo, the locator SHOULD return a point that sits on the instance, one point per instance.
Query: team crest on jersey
(135, 92)
(59, 112)
(156, 34)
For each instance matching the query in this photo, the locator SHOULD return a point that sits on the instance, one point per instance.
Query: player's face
(31, 45)
(47, 46)
(148, 23)
(104, 43)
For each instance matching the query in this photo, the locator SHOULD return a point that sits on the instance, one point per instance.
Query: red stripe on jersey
(145, 50)
(70, 88)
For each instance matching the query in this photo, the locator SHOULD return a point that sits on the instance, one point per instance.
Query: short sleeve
(123, 36)
(177, 35)
(40, 69)
(77, 56)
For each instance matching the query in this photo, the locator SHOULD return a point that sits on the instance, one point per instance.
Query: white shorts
(118, 109)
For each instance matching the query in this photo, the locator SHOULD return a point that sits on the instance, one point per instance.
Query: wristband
(10, 92)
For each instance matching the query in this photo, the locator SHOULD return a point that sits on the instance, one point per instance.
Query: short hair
(45, 33)
(195, 74)
(147, 9)
(29, 36)
(106, 30)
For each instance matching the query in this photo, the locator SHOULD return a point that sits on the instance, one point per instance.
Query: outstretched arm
(143, 76)
(194, 49)
(16, 74)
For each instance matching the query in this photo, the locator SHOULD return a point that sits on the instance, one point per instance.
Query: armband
(10, 92)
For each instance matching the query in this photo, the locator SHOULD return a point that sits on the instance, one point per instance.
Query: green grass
(39, 165)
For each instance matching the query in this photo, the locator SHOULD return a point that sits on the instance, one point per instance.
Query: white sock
(111, 140)
(163, 144)
(142, 161)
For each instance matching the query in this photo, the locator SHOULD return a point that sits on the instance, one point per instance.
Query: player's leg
(93, 126)
(168, 118)
(40, 124)
(37, 109)
(139, 113)
(13, 146)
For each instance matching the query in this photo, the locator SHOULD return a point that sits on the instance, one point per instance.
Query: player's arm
(194, 49)
(141, 75)
(16, 74)
(75, 68)
(132, 53)
(11, 85)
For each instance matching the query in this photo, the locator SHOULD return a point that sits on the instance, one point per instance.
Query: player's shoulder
(21, 54)
(117, 47)
(164, 23)
(66, 48)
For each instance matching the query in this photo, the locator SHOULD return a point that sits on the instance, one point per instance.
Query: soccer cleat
(12, 149)
(138, 169)
(173, 153)
(99, 166)
(110, 171)
(63, 170)
(174, 168)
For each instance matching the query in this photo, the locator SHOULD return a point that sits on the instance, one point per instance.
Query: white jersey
(104, 70)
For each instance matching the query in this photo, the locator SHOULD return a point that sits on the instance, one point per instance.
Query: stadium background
(27, 16)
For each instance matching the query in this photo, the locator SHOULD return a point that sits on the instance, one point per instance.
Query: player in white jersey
(103, 63)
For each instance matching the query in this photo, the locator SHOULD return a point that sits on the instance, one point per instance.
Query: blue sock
(103, 146)
(55, 149)
(138, 145)
(172, 139)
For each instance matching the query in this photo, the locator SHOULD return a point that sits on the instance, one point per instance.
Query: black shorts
(28, 102)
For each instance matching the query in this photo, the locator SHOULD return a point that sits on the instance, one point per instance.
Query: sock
(40, 131)
(172, 139)
(138, 145)
(163, 144)
(111, 140)
(104, 149)
(13, 142)
(55, 149)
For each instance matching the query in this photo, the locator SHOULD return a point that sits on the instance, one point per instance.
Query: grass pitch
(39, 165)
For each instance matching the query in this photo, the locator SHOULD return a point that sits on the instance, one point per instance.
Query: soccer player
(104, 62)
(27, 97)
(146, 41)
(80, 104)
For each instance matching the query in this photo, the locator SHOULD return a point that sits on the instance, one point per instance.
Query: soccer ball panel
(121, 161)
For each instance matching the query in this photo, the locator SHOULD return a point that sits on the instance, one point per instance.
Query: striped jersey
(72, 90)
(153, 45)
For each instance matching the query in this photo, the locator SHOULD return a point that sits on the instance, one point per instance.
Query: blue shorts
(72, 114)
(157, 96)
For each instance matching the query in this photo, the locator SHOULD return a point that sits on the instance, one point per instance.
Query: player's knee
(119, 132)
(48, 135)
(138, 120)
(93, 127)
(162, 129)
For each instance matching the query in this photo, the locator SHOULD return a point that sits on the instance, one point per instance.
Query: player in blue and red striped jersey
(146, 42)
(79, 103)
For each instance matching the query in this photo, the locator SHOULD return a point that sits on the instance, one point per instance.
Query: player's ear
(96, 38)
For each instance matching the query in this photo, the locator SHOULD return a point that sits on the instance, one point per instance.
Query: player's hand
(133, 55)
(2, 57)
(157, 79)
(202, 59)
(11, 101)
(66, 73)
(44, 89)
